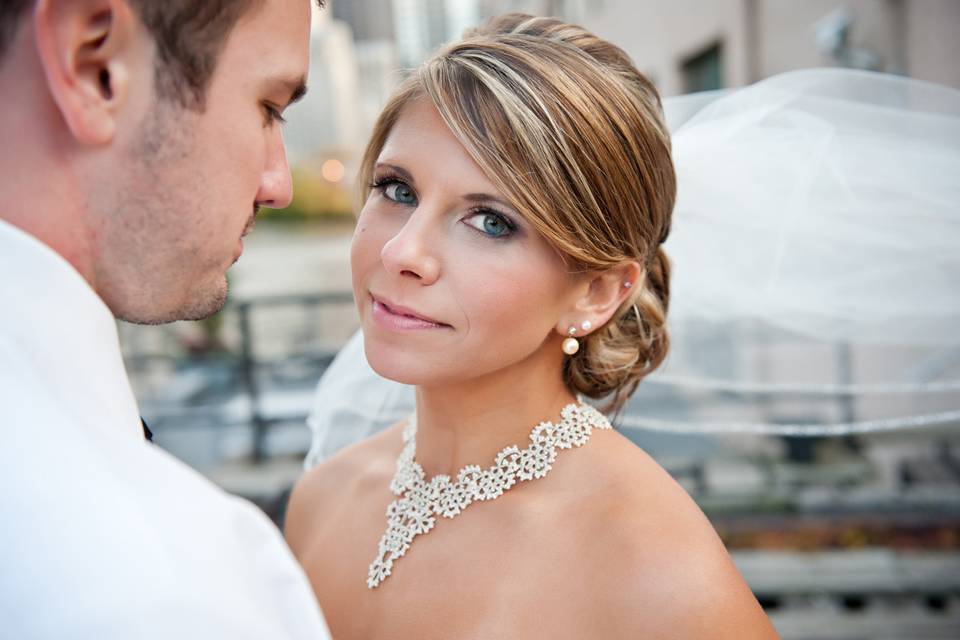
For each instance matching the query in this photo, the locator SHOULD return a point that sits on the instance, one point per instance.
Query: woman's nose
(409, 254)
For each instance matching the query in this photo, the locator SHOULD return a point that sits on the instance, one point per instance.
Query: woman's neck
(471, 421)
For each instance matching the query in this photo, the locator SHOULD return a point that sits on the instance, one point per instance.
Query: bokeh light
(332, 170)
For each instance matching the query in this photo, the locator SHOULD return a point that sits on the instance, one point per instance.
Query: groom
(139, 138)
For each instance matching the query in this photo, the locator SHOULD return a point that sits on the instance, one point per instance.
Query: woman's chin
(400, 365)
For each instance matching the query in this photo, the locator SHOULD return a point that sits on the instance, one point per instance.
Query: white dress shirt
(103, 535)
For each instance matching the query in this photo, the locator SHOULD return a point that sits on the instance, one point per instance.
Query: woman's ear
(606, 290)
(87, 48)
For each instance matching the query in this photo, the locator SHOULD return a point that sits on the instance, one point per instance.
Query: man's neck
(40, 191)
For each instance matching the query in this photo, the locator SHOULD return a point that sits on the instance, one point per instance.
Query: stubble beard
(154, 269)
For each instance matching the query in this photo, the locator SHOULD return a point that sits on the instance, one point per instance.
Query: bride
(507, 262)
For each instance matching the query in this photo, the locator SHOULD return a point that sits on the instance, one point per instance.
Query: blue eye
(396, 190)
(491, 223)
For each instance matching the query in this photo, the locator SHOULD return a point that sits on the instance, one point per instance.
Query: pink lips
(397, 318)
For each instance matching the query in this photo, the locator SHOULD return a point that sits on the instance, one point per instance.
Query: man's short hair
(190, 34)
(10, 14)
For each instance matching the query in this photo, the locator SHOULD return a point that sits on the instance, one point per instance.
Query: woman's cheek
(365, 249)
(502, 296)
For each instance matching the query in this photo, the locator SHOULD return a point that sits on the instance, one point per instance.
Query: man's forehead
(277, 21)
(271, 45)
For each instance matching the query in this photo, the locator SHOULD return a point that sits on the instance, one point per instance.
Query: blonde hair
(573, 136)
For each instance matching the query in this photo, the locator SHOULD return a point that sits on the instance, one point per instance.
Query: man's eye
(273, 114)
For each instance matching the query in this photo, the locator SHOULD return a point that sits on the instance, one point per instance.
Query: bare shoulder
(662, 570)
(324, 488)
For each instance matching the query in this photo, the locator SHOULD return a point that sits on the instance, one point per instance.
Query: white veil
(816, 268)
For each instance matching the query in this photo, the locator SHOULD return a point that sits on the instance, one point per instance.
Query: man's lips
(252, 221)
(400, 312)
(246, 229)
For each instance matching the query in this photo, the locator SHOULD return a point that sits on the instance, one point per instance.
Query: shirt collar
(66, 332)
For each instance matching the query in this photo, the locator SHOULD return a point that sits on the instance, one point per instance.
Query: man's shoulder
(99, 518)
(114, 551)
(115, 493)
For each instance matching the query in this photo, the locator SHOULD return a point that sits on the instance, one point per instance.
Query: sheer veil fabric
(816, 268)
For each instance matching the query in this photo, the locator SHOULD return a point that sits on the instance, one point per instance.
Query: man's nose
(276, 183)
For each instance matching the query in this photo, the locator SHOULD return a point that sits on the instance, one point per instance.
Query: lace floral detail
(419, 502)
(491, 484)
(379, 571)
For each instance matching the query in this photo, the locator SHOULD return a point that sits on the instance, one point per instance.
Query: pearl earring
(627, 284)
(586, 325)
(571, 345)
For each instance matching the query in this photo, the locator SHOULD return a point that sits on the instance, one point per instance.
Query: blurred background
(839, 537)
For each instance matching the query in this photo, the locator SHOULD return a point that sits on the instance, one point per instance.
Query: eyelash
(480, 211)
(383, 182)
(273, 114)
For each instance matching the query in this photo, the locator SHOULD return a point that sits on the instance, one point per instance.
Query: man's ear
(86, 50)
(605, 292)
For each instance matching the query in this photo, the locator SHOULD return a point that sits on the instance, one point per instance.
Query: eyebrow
(297, 87)
(470, 197)
(486, 197)
(400, 171)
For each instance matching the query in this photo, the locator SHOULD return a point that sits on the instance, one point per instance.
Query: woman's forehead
(423, 145)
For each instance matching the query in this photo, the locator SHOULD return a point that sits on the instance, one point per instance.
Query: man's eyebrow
(298, 92)
(297, 88)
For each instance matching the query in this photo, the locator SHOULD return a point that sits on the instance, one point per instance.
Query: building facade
(690, 45)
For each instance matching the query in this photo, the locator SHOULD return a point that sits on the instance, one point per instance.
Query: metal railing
(240, 366)
(248, 361)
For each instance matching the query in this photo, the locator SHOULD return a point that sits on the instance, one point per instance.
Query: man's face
(186, 184)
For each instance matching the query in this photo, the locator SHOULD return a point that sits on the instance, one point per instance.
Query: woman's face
(451, 282)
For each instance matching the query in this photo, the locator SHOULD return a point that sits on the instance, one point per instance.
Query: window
(704, 71)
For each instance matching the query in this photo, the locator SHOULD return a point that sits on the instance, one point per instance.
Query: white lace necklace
(419, 502)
